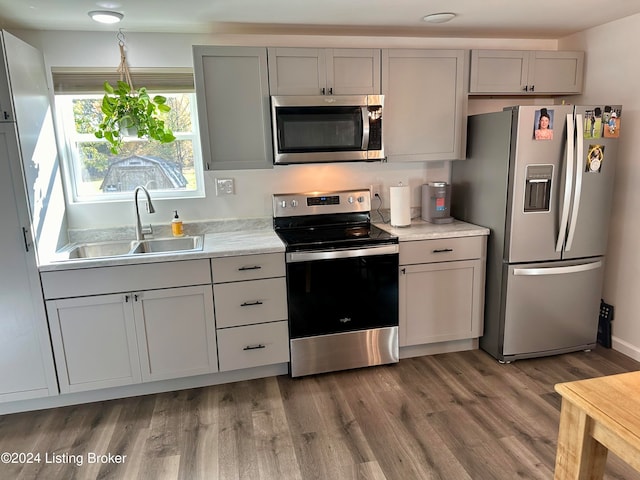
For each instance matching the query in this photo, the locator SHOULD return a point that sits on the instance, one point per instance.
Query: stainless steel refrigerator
(545, 194)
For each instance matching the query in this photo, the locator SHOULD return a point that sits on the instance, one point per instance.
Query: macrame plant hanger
(123, 68)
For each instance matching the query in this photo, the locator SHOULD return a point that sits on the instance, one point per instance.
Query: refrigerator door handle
(566, 201)
(578, 189)
(558, 270)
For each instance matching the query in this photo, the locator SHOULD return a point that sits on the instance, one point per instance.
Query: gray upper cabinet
(324, 71)
(526, 72)
(232, 90)
(425, 104)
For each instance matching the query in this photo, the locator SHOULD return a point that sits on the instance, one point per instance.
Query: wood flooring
(455, 416)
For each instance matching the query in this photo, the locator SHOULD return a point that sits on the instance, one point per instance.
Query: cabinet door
(94, 342)
(176, 332)
(232, 90)
(297, 71)
(556, 72)
(441, 302)
(353, 71)
(425, 104)
(26, 361)
(499, 71)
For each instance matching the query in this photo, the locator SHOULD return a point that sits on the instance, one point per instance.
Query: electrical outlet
(225, 186)
(376, 189)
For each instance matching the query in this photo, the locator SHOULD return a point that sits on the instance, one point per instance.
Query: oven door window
(333, 296)
(319, 129)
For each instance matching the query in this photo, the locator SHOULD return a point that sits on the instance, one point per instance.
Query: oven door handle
(293, 257)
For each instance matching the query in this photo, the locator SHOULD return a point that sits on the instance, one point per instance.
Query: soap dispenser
(177, 229)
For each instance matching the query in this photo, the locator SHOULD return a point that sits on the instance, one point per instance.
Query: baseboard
(435, 348)
(625, 347)
(149, 388)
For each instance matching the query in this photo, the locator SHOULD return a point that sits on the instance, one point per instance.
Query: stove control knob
(283, 204)
(350, 200)
(294, 203)
(360, 199)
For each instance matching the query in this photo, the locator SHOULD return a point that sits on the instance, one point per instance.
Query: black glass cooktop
(334, 236)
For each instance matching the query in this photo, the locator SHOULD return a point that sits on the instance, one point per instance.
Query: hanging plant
(127, 112)
(130, 112)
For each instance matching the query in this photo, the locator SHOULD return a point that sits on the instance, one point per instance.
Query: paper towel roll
(400, 203)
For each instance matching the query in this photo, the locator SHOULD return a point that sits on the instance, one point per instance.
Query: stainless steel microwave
(327, 128)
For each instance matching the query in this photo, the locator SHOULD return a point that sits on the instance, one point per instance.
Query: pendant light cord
(123, 68)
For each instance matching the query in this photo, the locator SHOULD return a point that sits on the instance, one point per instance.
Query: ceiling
(475, 18)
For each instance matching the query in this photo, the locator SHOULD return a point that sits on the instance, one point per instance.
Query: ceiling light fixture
(105, 16)
(439, 17)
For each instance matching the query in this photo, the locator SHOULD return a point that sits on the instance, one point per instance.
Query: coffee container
(436, 202)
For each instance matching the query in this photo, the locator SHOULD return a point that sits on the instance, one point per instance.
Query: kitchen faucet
(150, 209)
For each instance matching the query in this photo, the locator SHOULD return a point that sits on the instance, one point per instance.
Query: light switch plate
(225, 186)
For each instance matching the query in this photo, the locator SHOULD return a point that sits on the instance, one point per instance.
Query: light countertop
(218, 244)
(422, 230)
(262, 240)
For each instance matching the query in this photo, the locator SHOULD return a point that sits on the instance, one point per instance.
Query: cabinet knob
(533, 87)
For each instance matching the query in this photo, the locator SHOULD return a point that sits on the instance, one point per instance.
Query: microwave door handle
(365, 127)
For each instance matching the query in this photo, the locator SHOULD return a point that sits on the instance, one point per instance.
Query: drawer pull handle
(254, 347)
(443, 250)
(254, 267)
(251, 304)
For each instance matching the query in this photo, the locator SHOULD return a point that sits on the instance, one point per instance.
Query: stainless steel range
(342, 281)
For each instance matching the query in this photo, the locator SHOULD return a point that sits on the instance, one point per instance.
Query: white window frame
(71, 160)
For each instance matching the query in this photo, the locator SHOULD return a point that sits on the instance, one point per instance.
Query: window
(94, 174)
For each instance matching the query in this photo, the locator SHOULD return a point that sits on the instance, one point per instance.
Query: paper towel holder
(400, 205)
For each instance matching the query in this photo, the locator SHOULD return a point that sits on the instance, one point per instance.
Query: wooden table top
(613, 400)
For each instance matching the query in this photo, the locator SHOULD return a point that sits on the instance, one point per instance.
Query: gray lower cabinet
(425, 104)
(232, 91)
(251, 310)
(164, 328)
(441, 290)
(526, 72)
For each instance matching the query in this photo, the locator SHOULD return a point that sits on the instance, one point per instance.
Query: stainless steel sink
(100, 249)
(168, 245)
(119, 248)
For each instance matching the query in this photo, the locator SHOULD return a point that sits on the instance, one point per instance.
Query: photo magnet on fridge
(593, 123)
(595, 157)
(612, 128)
(543, 124)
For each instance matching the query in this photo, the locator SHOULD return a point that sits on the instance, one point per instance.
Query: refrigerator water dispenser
(538, 188)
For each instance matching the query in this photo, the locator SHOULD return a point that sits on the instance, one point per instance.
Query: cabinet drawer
(247, 267)
(125, 278)
(253, 345)
(246, 303)
(442, 250)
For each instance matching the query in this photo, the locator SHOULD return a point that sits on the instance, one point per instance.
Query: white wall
(611, 75)
(253, 188)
